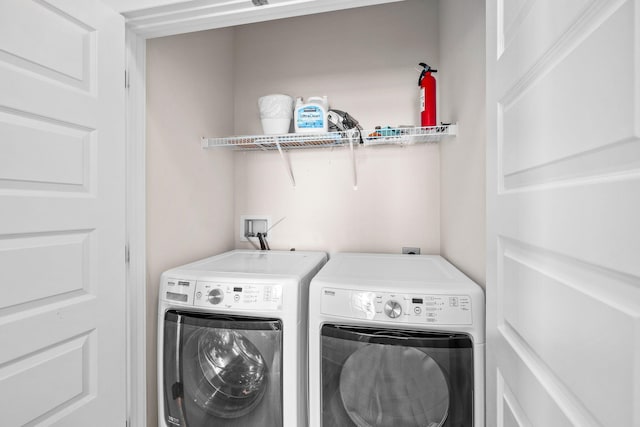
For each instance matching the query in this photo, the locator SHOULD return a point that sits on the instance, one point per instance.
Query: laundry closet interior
(428, 195)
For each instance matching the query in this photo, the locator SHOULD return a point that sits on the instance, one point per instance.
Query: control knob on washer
(215, 296)
(393, 309)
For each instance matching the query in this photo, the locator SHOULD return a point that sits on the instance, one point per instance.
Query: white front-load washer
(395, 341)
(232, 340)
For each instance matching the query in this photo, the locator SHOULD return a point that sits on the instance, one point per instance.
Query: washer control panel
(404, 308)
(223, 296)
(238, 296)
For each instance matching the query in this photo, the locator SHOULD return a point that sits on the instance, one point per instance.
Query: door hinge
(126, 79)
(127, 254)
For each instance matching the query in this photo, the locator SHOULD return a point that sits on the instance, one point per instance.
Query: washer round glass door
(223, 371)
(390, 378)
(234, 369)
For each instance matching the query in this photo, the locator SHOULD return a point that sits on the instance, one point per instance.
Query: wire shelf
(406, 136)
(384, 136)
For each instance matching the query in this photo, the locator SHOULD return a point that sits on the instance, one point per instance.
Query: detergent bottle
(311, 117)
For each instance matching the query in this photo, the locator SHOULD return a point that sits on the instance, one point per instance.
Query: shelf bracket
(286, 160)
(353, 134)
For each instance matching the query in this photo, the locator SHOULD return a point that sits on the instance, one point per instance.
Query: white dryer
(395, 340)
(232, 340)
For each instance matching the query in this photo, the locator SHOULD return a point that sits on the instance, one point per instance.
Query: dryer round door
(390, 378)
(403, 386)
(234, 370)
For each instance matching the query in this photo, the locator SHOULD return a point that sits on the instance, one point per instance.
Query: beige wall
(189, 190)
(462, 99)
(365, 61)
(396, 204)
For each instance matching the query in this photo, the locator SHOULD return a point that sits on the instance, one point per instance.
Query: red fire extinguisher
(427, 85)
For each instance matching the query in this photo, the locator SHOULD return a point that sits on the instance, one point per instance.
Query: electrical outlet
(410, 251)
(251, 225)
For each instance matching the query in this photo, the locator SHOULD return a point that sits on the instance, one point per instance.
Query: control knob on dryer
(393, 309)
(215, 296)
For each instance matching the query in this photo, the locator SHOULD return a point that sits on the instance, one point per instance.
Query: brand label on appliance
(173, 420)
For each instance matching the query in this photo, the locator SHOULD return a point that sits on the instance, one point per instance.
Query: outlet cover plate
(410, 250)
(259, 218)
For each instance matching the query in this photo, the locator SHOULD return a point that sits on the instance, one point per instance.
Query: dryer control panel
(395, 307)
(223, 296)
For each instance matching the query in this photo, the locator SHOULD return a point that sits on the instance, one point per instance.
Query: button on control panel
(393, 309)
(215, 296)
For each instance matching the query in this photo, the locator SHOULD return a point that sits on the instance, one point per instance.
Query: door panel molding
(72, 364)
(62, 47)
(539, 126)
(61, 268)
(585, 220)
(510, 414)
(549, 31)
(602, 163)
(563, 243)
(537, 289)
(533, 392)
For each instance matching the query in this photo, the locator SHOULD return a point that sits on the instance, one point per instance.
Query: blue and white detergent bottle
(312, 116)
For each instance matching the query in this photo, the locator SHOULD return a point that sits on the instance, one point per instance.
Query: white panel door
(563, 292)
(62, 307)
